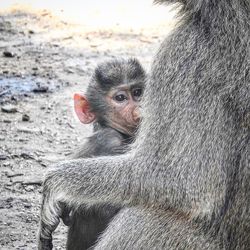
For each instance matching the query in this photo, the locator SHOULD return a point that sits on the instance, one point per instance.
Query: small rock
(18, 74)
(4, 92)
(41, 89)
(31, 31)
(23, 140)
(13, 98)
(3, 157)
(7, 121)
(9, 109)
(7, 164)
(27, 205)
(25, 118)
(70, 71)
(10, 199)
(26, 156)
(11, 174)
(8, 54)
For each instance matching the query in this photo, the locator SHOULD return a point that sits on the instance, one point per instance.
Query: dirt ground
(43, 61)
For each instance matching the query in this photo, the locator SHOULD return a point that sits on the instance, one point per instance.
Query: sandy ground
(43, 61)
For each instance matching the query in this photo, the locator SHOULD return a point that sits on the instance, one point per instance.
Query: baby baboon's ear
(82, 109)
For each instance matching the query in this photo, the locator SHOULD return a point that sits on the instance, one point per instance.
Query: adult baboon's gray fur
(185, 184)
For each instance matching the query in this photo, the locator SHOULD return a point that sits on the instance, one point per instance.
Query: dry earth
(43, 61)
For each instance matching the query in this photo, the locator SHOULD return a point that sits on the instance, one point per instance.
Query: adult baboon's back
(185, 184)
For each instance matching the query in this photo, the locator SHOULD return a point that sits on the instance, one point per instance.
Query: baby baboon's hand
(51, 211)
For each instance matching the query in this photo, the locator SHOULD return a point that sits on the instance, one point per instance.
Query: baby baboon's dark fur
(87, 223)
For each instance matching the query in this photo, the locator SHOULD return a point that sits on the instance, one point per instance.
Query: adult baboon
(185, 184)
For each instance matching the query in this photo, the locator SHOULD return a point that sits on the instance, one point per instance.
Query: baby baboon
(112, 103)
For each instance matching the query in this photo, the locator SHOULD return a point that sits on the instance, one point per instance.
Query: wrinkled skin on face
(124, 114)
(123, 108)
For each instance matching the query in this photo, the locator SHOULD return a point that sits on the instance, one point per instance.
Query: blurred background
(98, 13)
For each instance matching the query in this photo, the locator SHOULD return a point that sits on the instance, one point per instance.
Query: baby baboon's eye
(137, 93)
(120, 97)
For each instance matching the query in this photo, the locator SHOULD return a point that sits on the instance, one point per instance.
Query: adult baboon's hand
(85, 181)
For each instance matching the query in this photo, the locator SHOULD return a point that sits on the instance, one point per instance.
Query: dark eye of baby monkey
(120, 97)
(137, 93)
